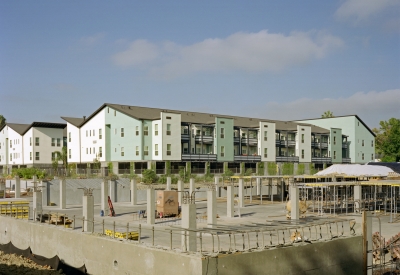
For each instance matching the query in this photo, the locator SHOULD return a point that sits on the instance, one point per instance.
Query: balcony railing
(344, 145)
(346, 160)
(322, 145)
(287, 159)
(205, 139)
(185, 137)
(236, 139)
(250, 141)
(321, 159)
(199, 157)
(252, 158)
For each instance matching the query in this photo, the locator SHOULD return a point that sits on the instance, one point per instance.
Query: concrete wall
(106, 256)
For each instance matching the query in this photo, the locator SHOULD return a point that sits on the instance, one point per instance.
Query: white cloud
(92, 40)
(371, 107)
(362, 9)
(249, 52)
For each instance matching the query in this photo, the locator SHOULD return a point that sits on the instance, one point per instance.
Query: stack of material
(356, 170)
(59, 219)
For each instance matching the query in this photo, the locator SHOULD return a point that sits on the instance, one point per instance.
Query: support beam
(188, 240)
(104, 197)
(241, 193)
(294, 202)
(63, 194)
(192, 187)
(151, 207)
(357, 197)
(217, 185)
(17, 187)
(211, 208)
(37, 201)
(180, 192)
(45, 192)
(367, 241)
(133, 192)
(230, 201)
(258, 183)
(168, 184)
(88, 212)
(112, 186)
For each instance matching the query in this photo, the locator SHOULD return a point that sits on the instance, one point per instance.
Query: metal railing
(287, 159)
(247, 158)
(321, 159)
(199, 157)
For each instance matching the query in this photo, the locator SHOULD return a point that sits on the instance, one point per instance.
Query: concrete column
(211, 208)
(180, 191)
(241, 193)
(230, 201)
(188, 241)
(192, 186)
(295, 168)
(258, 183)
(133, 192)
(113, 190)
(37, 201)
(168, 184)
(367, 239)
(17, 187)
(104, 197)
(294, 202)
(88, 213)
(357, 197)
(266, 168)
(307, 169)
(151, 207)
(45, 192)
(63, 194)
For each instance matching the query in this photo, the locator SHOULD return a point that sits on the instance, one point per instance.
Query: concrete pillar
(151, 207)
(211, 208)
(104, 197)
(295, 168)
(294, 202)
(230, 201)
(258, 183)
(217, 185)
(88, 212)
(192, 186)
(241, 193)
(112, 185)
(266, 168)
(45, 192)
(357, 197)
(180, 191)
(367, 240)
(17, 187)
(133, 192)
(307, 169)
(37, 201)
(168, 184)
(63, 194)
(188, 214)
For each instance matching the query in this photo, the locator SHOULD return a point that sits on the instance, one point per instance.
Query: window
(168, 149)
(90, 133)
(334, 140)
(58, 142)
(30, 141)
(146, 130)
(137, 150)
(10, 157)
(122, 132)
(168, 117)
(100, 152)
(146, 150)
(222, 122)
(222, 150)
(265, 152)
(100, 133)
(90, 150)
(302, 138)
(122, 151)
(372, 143)
(222, 133)
(302, 154)
(156, 149)
(87, 151)
(53, 156)
(69, 137)
(94, 150)
(168, 129)
(69, 153)
(115, 131)
(362, 143)
(37, 156)
(115, 113)
(137, 130)
(265, 135)
(30, 155)
(372, 156)
(334, 154)
(53, 142)
(362, 156)
(156, 129)
(37, 141)
(10, 143)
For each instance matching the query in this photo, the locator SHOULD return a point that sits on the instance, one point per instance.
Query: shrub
(149, 176)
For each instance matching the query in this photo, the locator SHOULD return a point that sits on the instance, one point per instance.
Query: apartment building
(123, 134)
(29, 145)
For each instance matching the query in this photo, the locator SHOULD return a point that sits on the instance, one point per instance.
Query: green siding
(147, 140)
(336, 133)
(227, 141)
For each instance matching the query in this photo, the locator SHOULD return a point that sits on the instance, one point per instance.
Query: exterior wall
(28, 147)
(157, 139)
(356, 133)
(270, 143)
(4, 146)
(174, 139)
(335, 140)
(306, 145)
(45, 148)
(11, 147)
(73, 143)
(90, 140)
(226, 141)
(147, 140)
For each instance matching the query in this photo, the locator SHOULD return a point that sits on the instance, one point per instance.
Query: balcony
(287, 159)
(249, 141)
(236, 140)
(185, 137)
(199, 157)
(346, 160)
(204, 139)
(344, 145)
(252, 158)
(322, 145)
(321, 160)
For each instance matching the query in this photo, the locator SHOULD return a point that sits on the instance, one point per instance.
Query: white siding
(157, 139)
(28, 147)
(174, 139)
(306, 145)
(45, 149)
(92, 141)
(269, 143)
(73, 145)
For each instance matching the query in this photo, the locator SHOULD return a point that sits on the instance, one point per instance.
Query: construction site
(336, 222)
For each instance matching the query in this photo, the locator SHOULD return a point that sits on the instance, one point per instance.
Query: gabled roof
(362, 122)
(146, 113)
(76, 121)
(19, 128)
(46, 125)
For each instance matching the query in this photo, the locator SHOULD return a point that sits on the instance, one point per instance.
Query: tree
(387, 140)
(62, 156)
(327, 114)
(2, 120)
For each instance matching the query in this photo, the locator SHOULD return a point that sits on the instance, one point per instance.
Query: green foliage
(313, 170)
(227, 174)
(28, 173)
(2, 120)
(168, 167)
(207, 165)
(287, 169)
(387, 140)
(110, 167)
(242, 171)
(327, 114)
(272, 168)
(183, 175)
(153, 166)
(260, 168)
(149, 176)
(301, 169)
